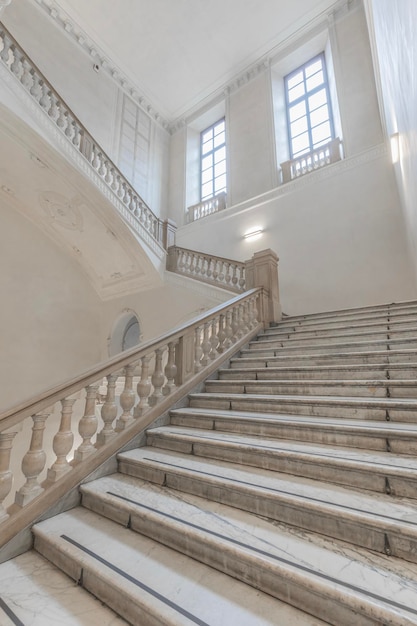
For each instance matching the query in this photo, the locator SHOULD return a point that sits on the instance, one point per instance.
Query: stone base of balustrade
(55, 474)
(123, 424)
(103, 438)
(23, 498)
(81, 455)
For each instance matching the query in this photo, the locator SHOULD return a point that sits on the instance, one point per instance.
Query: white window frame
(213, 156)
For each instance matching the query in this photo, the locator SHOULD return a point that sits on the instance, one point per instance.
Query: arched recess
(125, 334)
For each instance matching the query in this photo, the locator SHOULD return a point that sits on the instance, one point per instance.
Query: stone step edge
(317, 382)
(300, 329)
(300, 335)
(325, 355)
(238, 559)
(323, 368)
(325, 346)
(406, 304)
(336, 460)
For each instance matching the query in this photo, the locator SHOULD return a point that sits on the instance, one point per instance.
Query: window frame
(212, 152)
(304, 98)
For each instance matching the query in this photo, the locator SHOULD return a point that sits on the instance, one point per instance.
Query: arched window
(125, 333)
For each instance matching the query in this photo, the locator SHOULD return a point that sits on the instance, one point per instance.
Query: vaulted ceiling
(179, 52)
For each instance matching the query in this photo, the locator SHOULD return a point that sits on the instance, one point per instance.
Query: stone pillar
(262, 271)
(169, 228)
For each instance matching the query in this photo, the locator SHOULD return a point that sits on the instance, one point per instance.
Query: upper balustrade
(314, 160)
(206, 207)
(128, 202)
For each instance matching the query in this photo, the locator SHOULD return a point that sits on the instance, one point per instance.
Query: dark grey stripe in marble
(10, 613)
(136, 582)
(293, 564)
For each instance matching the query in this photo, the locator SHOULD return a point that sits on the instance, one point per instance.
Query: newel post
(169, 228)
(185, 357)
(262, 271)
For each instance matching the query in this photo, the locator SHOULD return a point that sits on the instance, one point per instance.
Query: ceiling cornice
(99, 57)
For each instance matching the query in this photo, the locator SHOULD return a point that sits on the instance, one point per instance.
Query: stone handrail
(206, 207)
(68, 432)
(207, 268)
(139, 215)
(314, 160)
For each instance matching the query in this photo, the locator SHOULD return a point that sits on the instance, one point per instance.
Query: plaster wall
(396, 47)
(339, 234)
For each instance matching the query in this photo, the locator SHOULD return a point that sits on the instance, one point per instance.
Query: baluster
(158, 378)
(114, 181)
(108, 412)
(53, 111)
(16, 66)
(26, 79)
(87, 426)
(215, 270)
(228, 330)
(198, 350)
(241, 277)
(204, 265)
(101, 169)
(76, 140)
(221, 334)
(221, 274)
(62, 120)
(214, 340)
(95, 162)
(170, 370)
(246, 317)
(240, 323)
(4, 54)
(254, 312)
(228, 276)
(234, 276)
(144, 388)
(206, 345)
(33, 462)
(62, 442)
(209, 266)
(108, 177)
(69, 131)
(127, 398)
(198, 263)
(6, 476)
(125, 194)
(132, 203)
(45, 100)
(180, 261)
(119, 187)
(235, 324)
(36, 89)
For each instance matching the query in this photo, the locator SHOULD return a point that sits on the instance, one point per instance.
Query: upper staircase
(284, 492)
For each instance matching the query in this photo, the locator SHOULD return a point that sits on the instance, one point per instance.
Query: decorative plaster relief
(61, 211)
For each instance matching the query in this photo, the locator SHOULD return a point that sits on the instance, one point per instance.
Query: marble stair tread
(358, 311)
(340, 584)
(35, 592)
(396, 371)
(358, 346)
(273, 358)
(404, 409)
(344, 322)
(387, 463)
(292, 338)
(324, 329)
(152, 583)
(374, 388)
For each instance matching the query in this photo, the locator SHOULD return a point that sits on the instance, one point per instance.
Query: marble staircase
(284, 493)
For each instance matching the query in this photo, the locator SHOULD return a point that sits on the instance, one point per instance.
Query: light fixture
(395, 147)
(255, 233)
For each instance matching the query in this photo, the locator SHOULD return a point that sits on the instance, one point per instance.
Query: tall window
(310, 123)
(135, 134)
(213, 160)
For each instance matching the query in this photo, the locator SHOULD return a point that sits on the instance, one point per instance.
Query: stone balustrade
(206, 207)
(207, 268)
(51, 443)
(25, 71)
(314, 160)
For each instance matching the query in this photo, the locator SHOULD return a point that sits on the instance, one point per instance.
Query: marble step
(309, 339)
(34, 592)
(396, 437)
(277, 348)
(151, 584)
(323, 406)
(340, 320)
(382, 472)
(338, 583)
(354, 312)
(330, 329)
(377, 522)
(378, 388)
(250, 358)
(394, 371)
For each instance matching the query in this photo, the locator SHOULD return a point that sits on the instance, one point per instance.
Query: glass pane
(207, 147)
(296, 92)
(295, 80)
(207, 191)
(315, 81)
(314, 67)
(319, 115)
(206, 176)
(220, 155)
(207, 162)
(298, 127)
(208, 134)
(317, 100)
(321, 133)
(219, 139)
(298, 110)
(301, 143)
(220, 184)
(219, 128)
(220, 168)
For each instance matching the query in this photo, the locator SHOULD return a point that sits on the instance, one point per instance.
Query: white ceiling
(177, 53)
